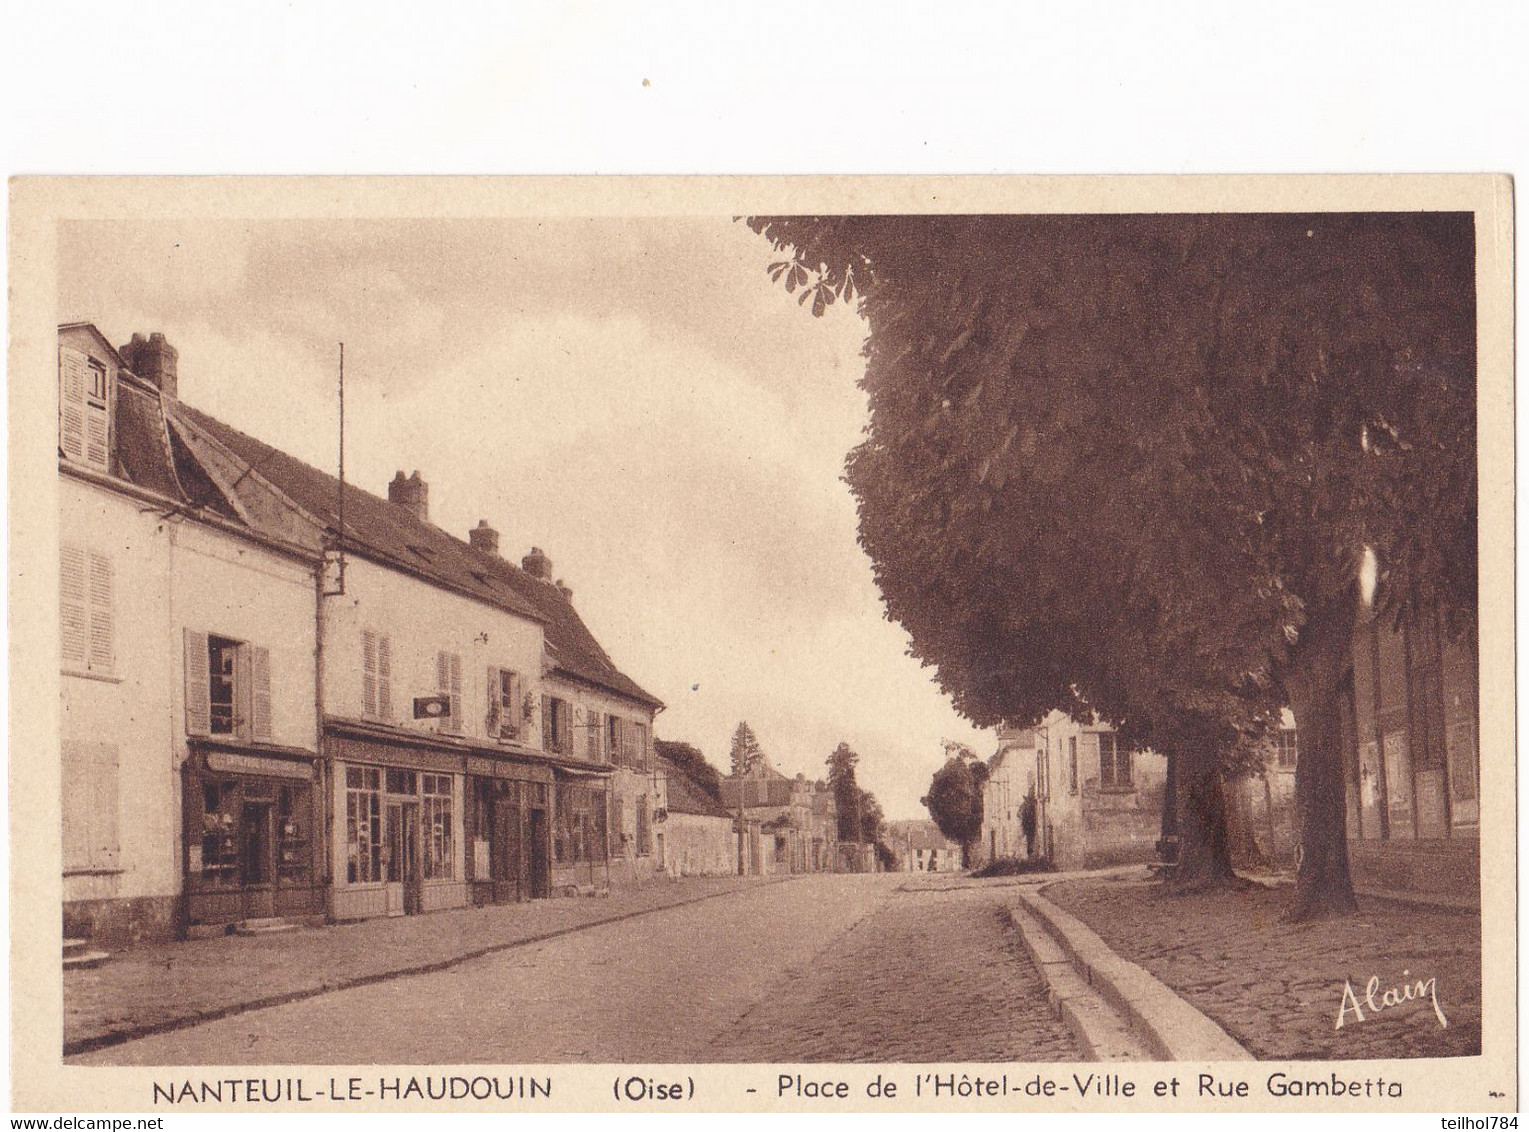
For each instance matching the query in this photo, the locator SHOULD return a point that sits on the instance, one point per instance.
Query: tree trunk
(1245, 850)
(1323, 887)
(1205, 858)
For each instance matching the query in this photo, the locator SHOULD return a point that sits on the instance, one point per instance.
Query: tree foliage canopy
(954, 800)
(1130, 464)
(746, 750)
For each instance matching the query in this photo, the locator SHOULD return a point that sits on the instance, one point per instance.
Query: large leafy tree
(689, 757)
(1130, 464)
(954, 800)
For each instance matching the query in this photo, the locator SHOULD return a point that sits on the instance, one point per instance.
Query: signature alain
(1390, 997)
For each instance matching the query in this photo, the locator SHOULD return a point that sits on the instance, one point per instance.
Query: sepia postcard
(762, 644)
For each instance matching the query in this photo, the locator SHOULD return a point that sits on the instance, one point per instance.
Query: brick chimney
(483, 537)
(153, 360)
(537, 564)
(565, 589)
(412, 493)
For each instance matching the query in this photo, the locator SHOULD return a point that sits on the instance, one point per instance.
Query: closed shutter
(456, 693)
(104, 816)
(493, 695)
(102, 631)
(73, 373)
(369, 673)
(95, 436)
(198, 699)
(547, 728)
(75, 804)
(384, 676)
(260, 691)
(74, 608)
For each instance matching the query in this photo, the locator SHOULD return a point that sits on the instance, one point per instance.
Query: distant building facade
(790, 824)
(920, 847)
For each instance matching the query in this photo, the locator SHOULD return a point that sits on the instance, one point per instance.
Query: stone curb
(1171, 1028)
(130, 1033)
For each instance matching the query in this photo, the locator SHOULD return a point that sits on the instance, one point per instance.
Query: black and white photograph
(1025, 638)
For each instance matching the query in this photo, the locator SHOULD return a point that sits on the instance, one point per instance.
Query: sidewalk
(1277, 988)
(163, 987)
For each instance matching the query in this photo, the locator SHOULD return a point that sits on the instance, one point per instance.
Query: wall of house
(1003, 835)
(1096, 825)
(700, 845)
(422, 620)
(169, 575)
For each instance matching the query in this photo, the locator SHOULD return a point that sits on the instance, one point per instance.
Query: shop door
(257, 862)
(536, 853)
(507, 865)
(403, 858)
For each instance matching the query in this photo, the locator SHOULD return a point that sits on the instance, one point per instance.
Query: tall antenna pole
(340, 541)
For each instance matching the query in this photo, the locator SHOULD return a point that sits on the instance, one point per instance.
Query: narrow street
(824, 968)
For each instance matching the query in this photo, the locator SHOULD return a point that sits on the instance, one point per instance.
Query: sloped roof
(394, 536)
(143, 454)
(916, 834)
(687, 795)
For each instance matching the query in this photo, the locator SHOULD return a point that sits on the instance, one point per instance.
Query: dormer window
(84, 400)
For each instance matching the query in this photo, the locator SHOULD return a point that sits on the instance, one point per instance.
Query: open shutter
(593, 727)
(198, 698)
(260, 691)
(73, 372)
(96, 436)
(493, 696)
(369, 673)
(101, 629)
(547, 728)
(74, 608)
(244, 701)
(384, 676)
(456, 693)
(75, 804)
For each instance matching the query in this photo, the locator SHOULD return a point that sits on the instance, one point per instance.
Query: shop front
(397, 821)
(580, 831)
(509, 829)
(251, 847)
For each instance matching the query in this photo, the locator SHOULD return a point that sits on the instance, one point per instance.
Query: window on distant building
(505, 714)
(84, 400)
(1114, 763)
(1287, 748)
(376, 675)
(228, 687)
(87, 630)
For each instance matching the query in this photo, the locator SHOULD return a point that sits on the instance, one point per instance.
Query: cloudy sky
(633, 396)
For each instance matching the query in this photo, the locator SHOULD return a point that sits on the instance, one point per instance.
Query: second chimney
(412, 493)
(537, 564)
(483, 537)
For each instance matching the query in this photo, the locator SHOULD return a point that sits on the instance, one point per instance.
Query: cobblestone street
(1277, 987)
(831, 968)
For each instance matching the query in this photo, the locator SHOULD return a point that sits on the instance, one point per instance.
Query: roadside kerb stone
(1171, 1028)
(1102, 1034)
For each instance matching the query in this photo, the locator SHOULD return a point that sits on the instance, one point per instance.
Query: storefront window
(573, 833)
(437, 806)
(293, 821)
(220, 834)
(363, 825)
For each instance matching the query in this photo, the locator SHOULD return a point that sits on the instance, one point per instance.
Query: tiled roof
(142, 449)
(913, 835)
(686, 795)
(394, 536)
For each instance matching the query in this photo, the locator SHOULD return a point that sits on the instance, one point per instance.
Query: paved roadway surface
(823, 968)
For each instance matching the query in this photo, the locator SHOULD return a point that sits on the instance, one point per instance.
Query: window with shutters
(448, 682)
(90, 806)
(376, 675)
(84, 407)
(87, 633)
(557, 725)
(1114, 763)
(505, 713)
(640, 747)
(616, 732)
(228, 687)
(594, 726)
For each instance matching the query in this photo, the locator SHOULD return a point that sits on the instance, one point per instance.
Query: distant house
(789, 824)
(1097, 801)
(1260, 806)
(920, 847)
(701, 834)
